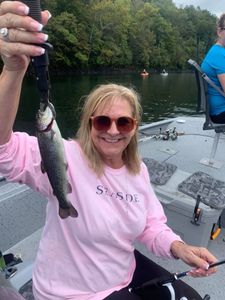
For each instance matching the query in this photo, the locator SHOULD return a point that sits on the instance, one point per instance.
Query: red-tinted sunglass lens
(102, 123)
(125, 124)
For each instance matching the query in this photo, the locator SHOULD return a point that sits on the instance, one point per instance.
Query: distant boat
(164, 73)
(144, 73)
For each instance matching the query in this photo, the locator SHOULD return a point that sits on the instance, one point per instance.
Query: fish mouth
(45, 127)
(45, 119)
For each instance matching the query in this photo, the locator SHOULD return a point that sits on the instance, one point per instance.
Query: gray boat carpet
(160, 172)
(212, 191)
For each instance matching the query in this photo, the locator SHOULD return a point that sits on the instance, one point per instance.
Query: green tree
(127, 33)
(142, 36)
(109, 33)
(69, 40)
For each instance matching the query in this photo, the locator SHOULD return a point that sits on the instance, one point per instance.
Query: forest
(127, 34)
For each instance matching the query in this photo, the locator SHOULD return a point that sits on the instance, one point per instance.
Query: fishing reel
(7, 264)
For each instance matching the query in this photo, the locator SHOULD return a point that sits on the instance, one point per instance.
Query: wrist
(175, 248)
(12, 76)
(11, 72)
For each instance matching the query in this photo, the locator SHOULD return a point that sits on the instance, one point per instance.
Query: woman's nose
(113, 128)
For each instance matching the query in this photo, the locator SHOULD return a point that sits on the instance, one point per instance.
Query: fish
(53, 159)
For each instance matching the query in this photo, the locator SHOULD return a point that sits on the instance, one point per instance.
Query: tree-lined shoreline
(113, 35)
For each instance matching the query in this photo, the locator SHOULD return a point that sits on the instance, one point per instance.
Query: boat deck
(191, 146)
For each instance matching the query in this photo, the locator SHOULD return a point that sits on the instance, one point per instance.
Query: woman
(92, 256)
(214, 66)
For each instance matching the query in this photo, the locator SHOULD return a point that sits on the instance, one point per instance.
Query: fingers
(14, 14)
(20, 42)
(208, 256)
(197, 257)
(11, 49)
(200, 258)
(9, 20)
(201, 272)
(23, 32)
(14, 7)
(18, 35)
(45, 15)
(203, 257)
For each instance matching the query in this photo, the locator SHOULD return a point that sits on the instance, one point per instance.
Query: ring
(4, 33)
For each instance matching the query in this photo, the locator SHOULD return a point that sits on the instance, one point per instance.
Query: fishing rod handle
(35, 9)
(40, 63)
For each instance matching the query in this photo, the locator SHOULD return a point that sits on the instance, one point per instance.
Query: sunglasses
(104, 123)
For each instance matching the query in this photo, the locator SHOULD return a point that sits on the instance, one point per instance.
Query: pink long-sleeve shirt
(89, 257)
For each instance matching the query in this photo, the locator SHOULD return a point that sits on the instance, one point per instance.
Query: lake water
(162, 97)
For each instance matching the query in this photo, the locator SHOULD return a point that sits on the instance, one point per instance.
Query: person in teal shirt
(214, 66)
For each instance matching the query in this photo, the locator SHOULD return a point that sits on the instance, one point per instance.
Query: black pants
(148, 270)
(219, 118)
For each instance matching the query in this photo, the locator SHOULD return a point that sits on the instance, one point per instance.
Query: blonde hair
(99, 97)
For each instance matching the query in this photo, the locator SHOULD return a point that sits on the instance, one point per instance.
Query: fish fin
(42, 167)
(69, 188)
(73, 212)
(66, 212)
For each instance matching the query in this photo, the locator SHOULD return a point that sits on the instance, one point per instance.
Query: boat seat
(159, 172)
(202, 81)
(210, 189)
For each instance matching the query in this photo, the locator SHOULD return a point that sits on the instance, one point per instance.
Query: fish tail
(73, 212)
(68, 212)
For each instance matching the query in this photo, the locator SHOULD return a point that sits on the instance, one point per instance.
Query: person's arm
(162, 241)
(15, 50)
(10, 88)
(221, 78)
(156, 236)
(197, 257)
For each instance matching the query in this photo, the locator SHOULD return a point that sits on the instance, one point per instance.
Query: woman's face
(221, 34)
(111, 143)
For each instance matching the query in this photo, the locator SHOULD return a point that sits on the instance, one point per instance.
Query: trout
(53, 158)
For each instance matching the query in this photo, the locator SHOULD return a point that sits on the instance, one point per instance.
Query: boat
(164, 73)
(144, 73)
(182, 143)
(179, 142)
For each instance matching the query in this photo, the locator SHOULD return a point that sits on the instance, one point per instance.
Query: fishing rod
(164, 281)
(40, 63)
(183, 274)
(49, 138)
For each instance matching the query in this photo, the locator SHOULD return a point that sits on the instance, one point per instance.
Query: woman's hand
(23, 32)
(198, 257)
